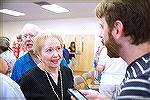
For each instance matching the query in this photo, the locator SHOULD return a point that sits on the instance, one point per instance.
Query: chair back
(87, 75)
(79, 82)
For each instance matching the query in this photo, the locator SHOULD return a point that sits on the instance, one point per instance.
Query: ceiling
(78, 9)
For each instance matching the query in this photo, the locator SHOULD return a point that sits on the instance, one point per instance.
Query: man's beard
(113, 48)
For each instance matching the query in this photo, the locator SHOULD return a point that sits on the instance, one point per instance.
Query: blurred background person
(9, 89)
(66, 54)
(112, 76)
(29, 59)
(97, 74)
(49, 80)
(72, 51)
(6, 56)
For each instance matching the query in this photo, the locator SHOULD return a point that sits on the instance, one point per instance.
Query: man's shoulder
(32, 74)
(8, 81)
(65, 50)
(32, 71)
(135, 85)
(22, 59)
(25, 55)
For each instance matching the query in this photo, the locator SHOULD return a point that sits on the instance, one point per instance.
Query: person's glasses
(28, 35)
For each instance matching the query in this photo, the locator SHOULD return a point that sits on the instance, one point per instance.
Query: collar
(138, 67)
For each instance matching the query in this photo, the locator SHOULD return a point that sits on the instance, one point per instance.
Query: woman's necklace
(53, 87)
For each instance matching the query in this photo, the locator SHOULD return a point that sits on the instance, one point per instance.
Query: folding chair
(88, 78)
(79, 82)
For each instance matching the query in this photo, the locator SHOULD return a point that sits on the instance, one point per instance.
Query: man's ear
(117, 31)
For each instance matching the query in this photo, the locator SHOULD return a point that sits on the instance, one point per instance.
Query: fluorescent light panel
(55, 8)
(11, 12)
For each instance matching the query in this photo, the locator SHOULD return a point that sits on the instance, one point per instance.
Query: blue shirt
(63, 62)
(95, 64)
(66, 55)
(24, 64)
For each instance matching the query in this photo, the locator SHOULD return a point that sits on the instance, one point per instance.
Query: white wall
(63, 26)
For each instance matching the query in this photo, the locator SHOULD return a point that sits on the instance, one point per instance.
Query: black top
(71, 55)
(35, 85)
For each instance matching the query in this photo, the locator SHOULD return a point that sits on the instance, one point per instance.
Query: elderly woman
(50, 80)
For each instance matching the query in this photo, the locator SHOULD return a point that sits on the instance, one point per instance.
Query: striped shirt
(136, 84)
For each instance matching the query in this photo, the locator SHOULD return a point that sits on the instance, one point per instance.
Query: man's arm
(99, 68)
(3, 66)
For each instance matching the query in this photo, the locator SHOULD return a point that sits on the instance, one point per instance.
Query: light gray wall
(63, 26)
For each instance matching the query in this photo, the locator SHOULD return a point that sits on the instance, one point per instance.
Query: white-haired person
(28, 60)
(49, 80)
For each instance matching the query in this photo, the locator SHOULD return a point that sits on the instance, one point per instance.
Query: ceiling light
(55, 8)
(11, 12)
(52, 7)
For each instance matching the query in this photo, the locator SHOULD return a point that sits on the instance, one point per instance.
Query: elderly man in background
(28, 60)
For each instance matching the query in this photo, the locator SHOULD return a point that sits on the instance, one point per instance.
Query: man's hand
(93, 95)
